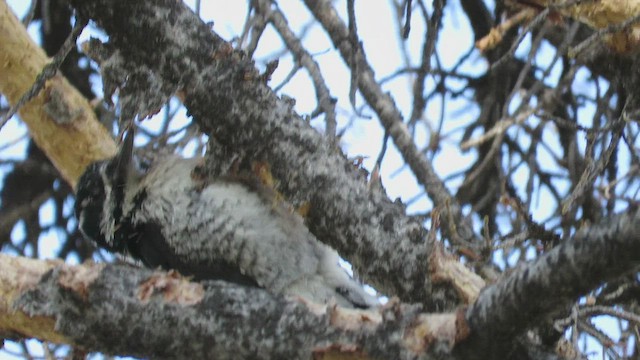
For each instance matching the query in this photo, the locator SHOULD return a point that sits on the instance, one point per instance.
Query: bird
(166, 216)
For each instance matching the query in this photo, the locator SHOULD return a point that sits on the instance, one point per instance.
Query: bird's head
(100, 196)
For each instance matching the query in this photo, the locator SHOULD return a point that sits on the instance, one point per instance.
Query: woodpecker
(220, 229)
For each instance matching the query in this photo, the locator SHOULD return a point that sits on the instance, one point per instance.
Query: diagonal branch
(455, 226)
(326, 103)
(123, 310)
(60, 120)
(523, 299)
(231, 102)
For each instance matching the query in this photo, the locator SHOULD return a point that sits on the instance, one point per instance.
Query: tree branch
(326, 103)
(60, 119)
(455, 226)
(123, 310)
(538, 289)
(231, 102)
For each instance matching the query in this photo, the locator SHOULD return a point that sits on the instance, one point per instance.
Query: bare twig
(48, 71)
(384, 106)
(326, 102)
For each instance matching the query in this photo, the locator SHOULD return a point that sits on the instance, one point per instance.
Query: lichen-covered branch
(455, 226)
(231, 102)
(538, 289)
(124, 310)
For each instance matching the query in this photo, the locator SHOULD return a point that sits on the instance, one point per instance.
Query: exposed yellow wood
(603, 13)
(17, 275)
(60, 119)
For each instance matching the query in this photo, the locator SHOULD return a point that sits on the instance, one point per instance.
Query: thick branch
(455, 226)
(123, 310)
(231, 101)
(60, 119)
(534, 291)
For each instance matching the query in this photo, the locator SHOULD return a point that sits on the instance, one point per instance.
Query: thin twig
(48, 71)
(326, 103)
(512, 50)
(355, 48)
(581, 47)
(26, 20)
(593, 169)
(407, 22)
(460, 231)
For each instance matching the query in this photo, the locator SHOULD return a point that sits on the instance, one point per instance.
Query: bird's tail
(333, 284)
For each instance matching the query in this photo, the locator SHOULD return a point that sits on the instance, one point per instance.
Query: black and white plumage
(211, 230)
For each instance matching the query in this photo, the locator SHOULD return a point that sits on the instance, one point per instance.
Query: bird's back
(224, 230)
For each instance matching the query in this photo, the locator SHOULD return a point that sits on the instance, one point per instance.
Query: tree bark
(232, 103)
(124, 310)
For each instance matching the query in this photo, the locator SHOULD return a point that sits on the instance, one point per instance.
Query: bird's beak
(122, 163)
(125, 152)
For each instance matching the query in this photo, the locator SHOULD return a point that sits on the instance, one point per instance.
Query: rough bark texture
(120, 310)
(454, 225)
(232, 103)
(537, 290)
